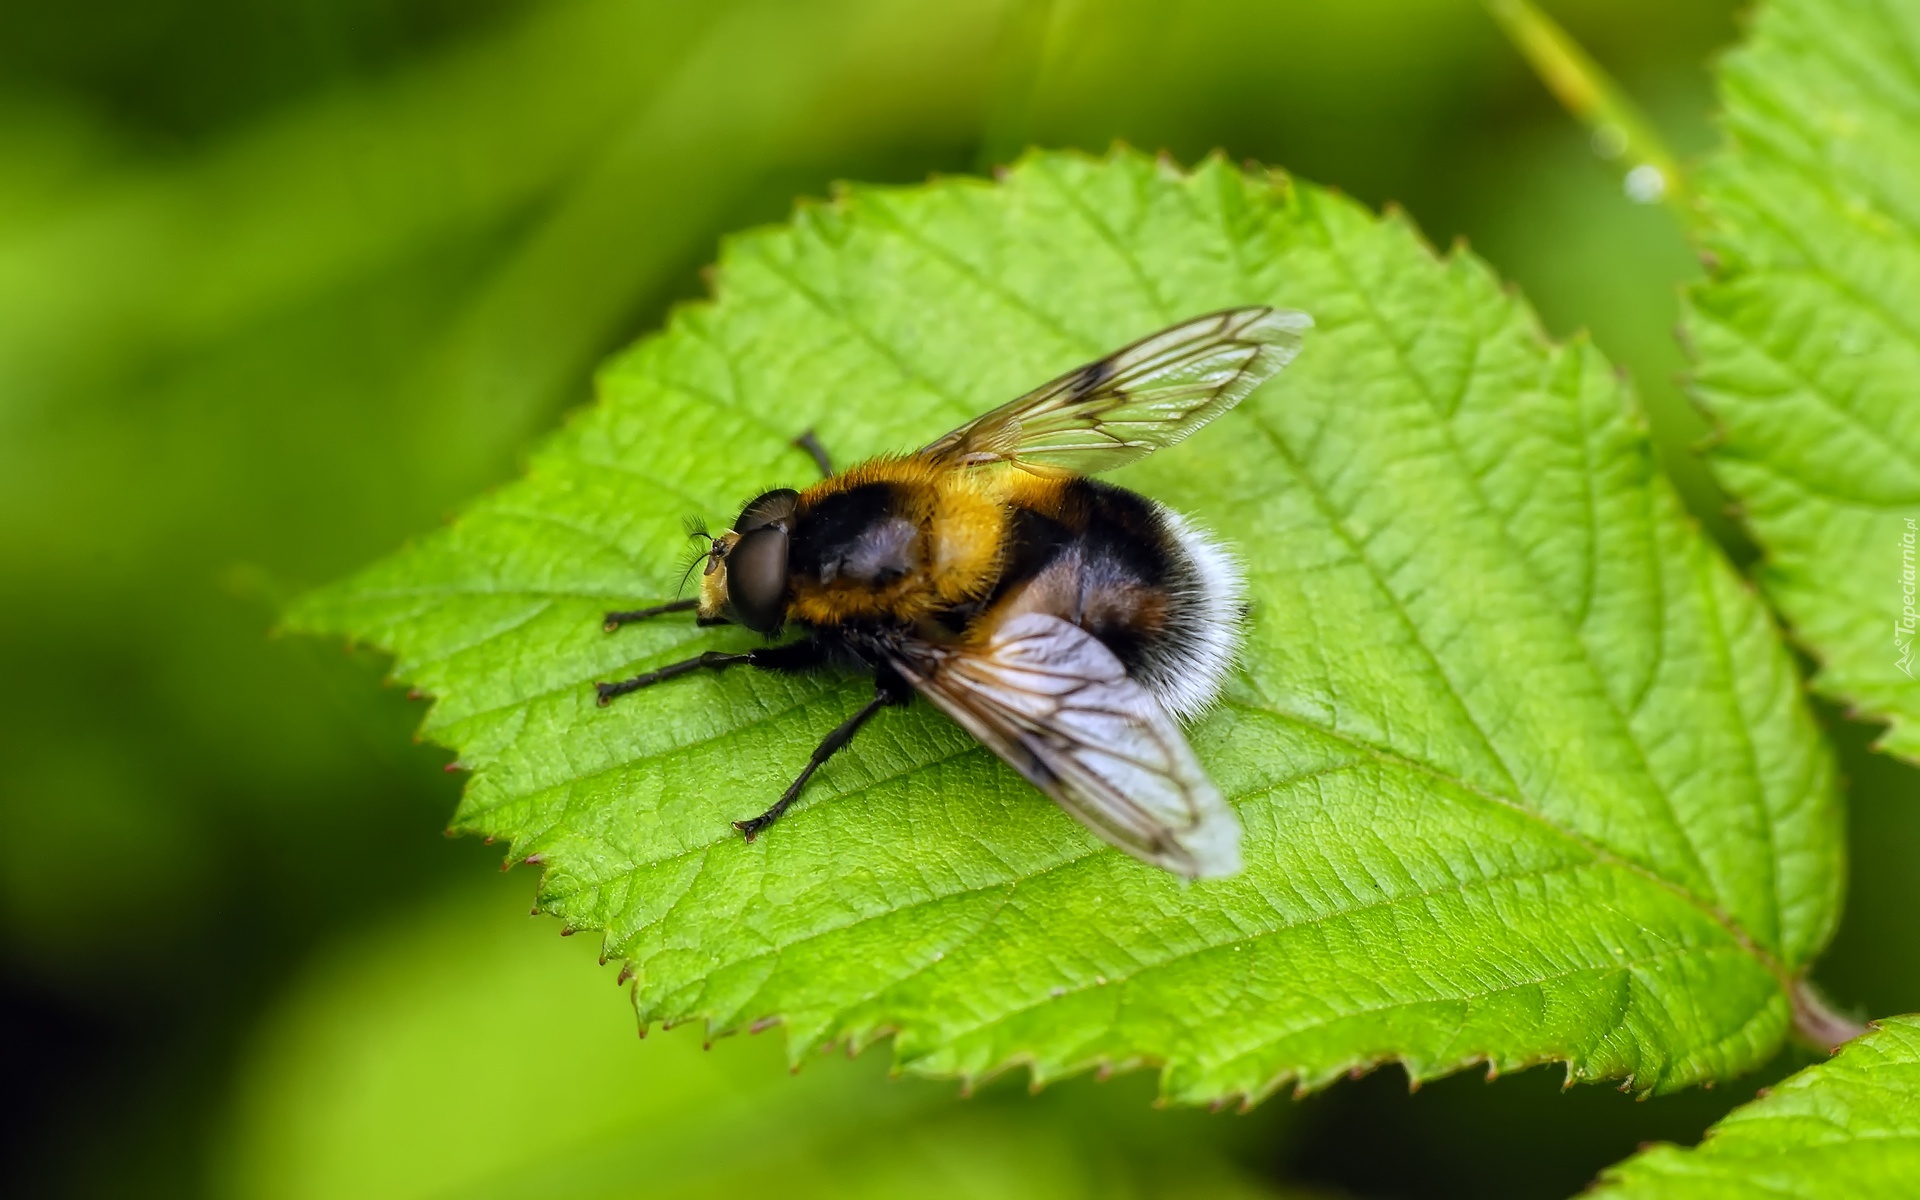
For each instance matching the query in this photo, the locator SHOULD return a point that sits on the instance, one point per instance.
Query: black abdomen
(1159, 593)
(1105, 559)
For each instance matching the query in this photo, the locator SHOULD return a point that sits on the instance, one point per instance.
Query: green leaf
(1841, 1129)
(1807, 341)
(465, 1051)
(1524, 771)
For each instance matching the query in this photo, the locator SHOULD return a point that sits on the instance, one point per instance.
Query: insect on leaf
(1807, 342)
(1524, 771)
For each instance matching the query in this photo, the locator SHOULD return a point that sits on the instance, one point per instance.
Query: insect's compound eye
(766, 509)
(757, 578)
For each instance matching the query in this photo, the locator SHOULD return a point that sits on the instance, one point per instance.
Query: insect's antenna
(696, 527)
(693, 560)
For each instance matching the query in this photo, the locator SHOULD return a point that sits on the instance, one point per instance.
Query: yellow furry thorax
(962, 518)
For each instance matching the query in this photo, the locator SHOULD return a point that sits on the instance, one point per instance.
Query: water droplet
(1609, 140)
(1646, 184)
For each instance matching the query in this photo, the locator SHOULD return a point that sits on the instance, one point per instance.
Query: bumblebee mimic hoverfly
(1066, 623)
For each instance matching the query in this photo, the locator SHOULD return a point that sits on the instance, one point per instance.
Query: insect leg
(814, 449)
(615, 620)
(794, 656)
(828, 747)
(712, 660)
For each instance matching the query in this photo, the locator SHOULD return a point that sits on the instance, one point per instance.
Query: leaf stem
(1817, 1022)
(1619, 129)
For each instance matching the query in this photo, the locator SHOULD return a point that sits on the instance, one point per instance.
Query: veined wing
(1136, 400)
(1056, 704)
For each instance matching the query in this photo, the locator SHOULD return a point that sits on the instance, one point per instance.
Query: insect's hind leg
(794, 656)
(888, 690)
(615, 620)
(815, 451)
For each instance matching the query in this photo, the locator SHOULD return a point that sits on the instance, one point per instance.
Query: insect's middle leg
(794, 656)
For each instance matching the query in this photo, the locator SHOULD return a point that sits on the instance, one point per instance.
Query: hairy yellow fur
(961, 516)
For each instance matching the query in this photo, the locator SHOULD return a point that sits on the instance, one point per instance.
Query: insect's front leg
(615, 620)
(794, 656)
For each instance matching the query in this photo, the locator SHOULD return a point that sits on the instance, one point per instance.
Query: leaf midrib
(473, 817)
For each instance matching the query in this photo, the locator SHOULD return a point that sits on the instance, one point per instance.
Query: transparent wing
(1055, 703)
(1136, 400)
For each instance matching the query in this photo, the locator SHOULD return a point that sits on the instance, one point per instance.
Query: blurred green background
(283, 281)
